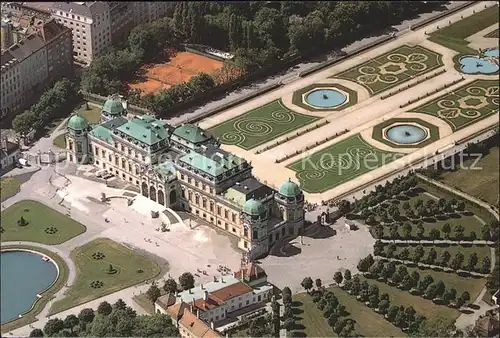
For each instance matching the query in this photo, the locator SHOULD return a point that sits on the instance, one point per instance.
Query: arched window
(197, 199)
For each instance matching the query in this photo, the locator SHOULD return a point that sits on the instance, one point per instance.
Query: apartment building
(122, 20)
(148, 11)
(90, 23)
(41, 56)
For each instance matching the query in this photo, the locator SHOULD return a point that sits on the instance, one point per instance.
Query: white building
(148, 11)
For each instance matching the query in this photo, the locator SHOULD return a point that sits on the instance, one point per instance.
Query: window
(247, 302)
(245, 232)
(226, 214)
(197, 199)
(203, 187)
(255, 234)
(182, 176)
(211, 190)
(211, 206)
(233, 217)
(259, 297)
(189, 180)
(204, 202)
(245, 245)
(219, 210)
(234, 230)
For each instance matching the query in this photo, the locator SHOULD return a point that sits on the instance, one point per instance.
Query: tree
(459, 302)
(459, 232)
(365, 263)
(186, 281)
(486, 233)
(420, 231)
(486, 265)
(450, 295)
(446, 229)
(332, 320)
(339, 326)
(404, 254)
(347, 274)
(288, 312)
(440, 289)
(430, 291)
(120, 305)
(445, 258)
(337, 277)
(457, 261)
(434, 234)
(428, 280)
(406, 206)
(472, 236)
(286, 291)
(344, 207)
(287, 299)
(400, 319)
(307, 284)
(431, 256)
(321, 304)
(86, 316)
(289, 323)
(415, 276)
(471, 264)
(418, 253)
(373, 299)
(170, 286)
(36, 333)
(383, 305)
(392, 313)
(465, 296)
(104, 308)
(379, 231)
(396, 278)
(70, 322)
(53, 326)
(24, 122)
(407, 230)
(153, 293)
(394, 231)
(460, 205)
(318, 283)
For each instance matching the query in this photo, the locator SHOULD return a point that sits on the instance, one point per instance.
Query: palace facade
(184, 168)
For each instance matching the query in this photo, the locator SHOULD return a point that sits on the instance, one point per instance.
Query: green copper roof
(289, 189)
(214, 165)
(113, 106)
(146, 129)
(254, 207)
(191, 133)
(78, 122)
(102, 133)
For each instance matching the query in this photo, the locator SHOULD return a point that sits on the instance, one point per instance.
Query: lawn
(60, 141)
(30, 316)
(393, 68)
(312, 320)
(9, 186)
(44, 225)
(453, 36)
(260, 125)
(92, 114)
(482, 183)
(339, 163)
(465, 105)
(93, 280)
(434, 313)
(368, 322)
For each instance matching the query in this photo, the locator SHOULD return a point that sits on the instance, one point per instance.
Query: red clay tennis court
(181, 67)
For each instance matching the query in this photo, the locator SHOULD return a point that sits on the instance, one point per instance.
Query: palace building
(184, 168)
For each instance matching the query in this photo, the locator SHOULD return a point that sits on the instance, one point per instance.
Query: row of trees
(335, 313)
(370, 295)
(399, 276)
(117, 320)
(186, 282)
(54, 103)
(419, 254)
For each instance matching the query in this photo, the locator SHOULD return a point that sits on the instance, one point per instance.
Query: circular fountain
(406, 134)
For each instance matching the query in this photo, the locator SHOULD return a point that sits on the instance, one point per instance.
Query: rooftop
(87, 9)
(25, 48)
(196, 326)
(252, 188)
(198, 291)
(231, 291)
(191, 133)
(251, 272)
(146, 129)
(212, 160)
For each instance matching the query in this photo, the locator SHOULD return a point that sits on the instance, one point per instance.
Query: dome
(78, 122)
(289, 189)
(113, 106)
(253, 207)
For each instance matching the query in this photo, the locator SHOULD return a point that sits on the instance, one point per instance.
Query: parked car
(101, 173)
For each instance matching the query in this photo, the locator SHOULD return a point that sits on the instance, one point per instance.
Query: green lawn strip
(9, 186)
(481, 251)
(127, 263)
(378, 132)
(483, 183)
(347, 164)
(457, 116)
(62, 279)
(45, 225)
(60, 141)
(373, 67)
(260, 125)
(368, 322)
(454, 35)
(92, 114)
(434, 313)
(315, 325)
(485, 215)
(298, 98)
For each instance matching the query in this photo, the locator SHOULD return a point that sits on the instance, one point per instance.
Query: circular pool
(406, 134)
(325, 98)
(471, 64)
(24, 275)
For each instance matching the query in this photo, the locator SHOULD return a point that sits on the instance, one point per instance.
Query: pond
(23, 276)
(325, 98)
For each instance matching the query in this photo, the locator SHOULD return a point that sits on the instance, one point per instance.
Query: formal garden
(104, 267)
(260, 125)
(393, 68)
(339, 163)
(33, 221)
(465, 105)
(91, 112)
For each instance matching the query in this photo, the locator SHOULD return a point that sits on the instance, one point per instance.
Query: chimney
(197, 313)
(176, 293)
(242, 275)
(3, 142)
(222, 279)
(212, 326)
(255, 271)
(234, 274)
(205, 295)
(192, 303)
(201, 286)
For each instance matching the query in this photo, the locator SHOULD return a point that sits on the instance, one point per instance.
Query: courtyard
(393, 68)
(260, 125)
(465, 105)
(339, 163)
